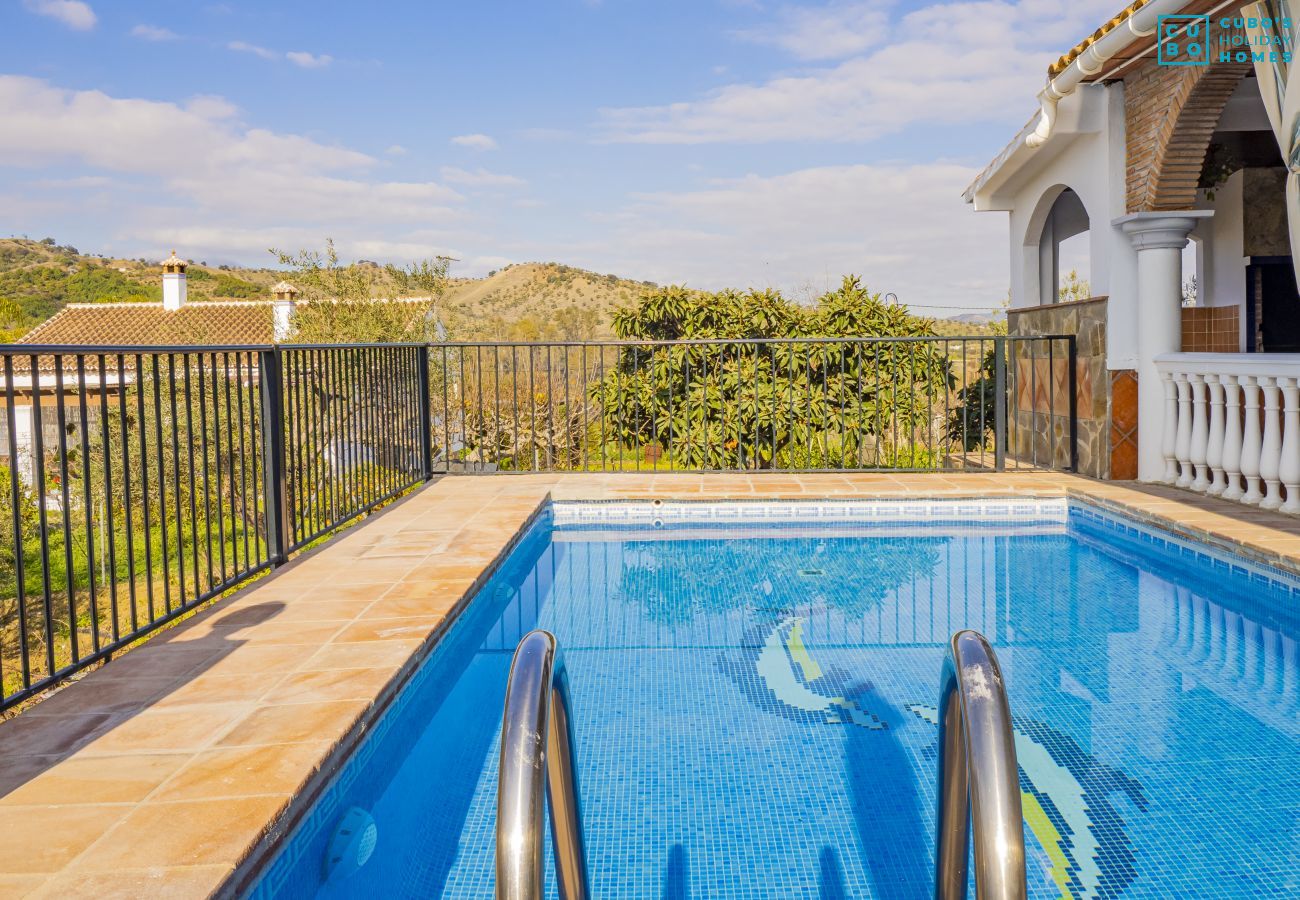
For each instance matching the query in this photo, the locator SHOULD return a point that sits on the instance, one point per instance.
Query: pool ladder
(537, 765)
(979, 778)
(979, 782)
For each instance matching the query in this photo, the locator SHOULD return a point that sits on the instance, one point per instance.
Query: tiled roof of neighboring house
(1114, 22)
(148, 324)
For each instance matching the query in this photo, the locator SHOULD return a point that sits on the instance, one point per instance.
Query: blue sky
(710, 142)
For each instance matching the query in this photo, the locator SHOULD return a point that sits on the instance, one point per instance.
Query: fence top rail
(864, 339)
(178, 349)
(125, 349)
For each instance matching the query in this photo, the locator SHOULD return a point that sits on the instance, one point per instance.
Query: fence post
(1000, 403)
(1073, 376)
(276, 486)
(426, 417)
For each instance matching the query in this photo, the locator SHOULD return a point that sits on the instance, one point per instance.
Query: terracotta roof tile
(148, 324)
(1114, 22)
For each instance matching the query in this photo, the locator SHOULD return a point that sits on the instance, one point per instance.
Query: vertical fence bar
(426, 413)
(1000, 404)
(1072, 345)
(15, 497)
(276, 501)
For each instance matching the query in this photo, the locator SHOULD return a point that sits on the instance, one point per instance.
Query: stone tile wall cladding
(1039, 409)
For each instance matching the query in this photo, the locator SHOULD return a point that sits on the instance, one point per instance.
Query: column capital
(1160, 230)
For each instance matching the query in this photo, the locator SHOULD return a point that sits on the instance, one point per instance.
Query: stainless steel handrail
(978, 773)
(537, 751)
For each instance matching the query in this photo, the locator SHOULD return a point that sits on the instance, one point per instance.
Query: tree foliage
(772, 404)
(354, 303)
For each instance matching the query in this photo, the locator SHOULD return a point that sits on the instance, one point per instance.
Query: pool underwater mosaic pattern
(755, 714)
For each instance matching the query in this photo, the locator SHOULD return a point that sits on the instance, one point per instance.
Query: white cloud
(396, 150)
(903, 228)
(245, 47)
(215, 172)
(153, 33)
(479, 178)
(73, 13)
(947, 63)
(305, 60)
(474, 141)
(830, 32)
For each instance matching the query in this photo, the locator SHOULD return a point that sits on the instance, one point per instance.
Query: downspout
(1141, 23)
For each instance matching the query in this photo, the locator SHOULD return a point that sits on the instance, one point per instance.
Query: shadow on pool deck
(138, 704)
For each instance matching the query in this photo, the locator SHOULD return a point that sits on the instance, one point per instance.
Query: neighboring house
(174, 322)
(1143, 176)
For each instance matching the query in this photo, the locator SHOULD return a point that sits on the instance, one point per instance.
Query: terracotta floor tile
(389, 629)
(155, 730)
(145, 884)
(243, 772)
(46, 838)
(365, 655)
(188, 833)
(125, 779)
(49, 735)
(416, 602)
(294, 723)
(251, 659)
(330, 684)
(210, 687)
(162, 660)
(101, 692)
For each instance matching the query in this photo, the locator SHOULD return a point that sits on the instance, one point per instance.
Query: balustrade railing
(1232, 426)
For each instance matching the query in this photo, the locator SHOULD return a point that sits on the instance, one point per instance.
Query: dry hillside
(537, 301)
(531, 301)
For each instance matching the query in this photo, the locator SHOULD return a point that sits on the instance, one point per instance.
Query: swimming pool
(754, 690)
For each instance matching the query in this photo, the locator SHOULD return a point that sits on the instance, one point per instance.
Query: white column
(1251, 443)
(1168, 445)
(1270, 454)
(1214, 452)
(1159, 239)
(1200, 434)
(1289, 472)
(1183, 443)
(1232, 437)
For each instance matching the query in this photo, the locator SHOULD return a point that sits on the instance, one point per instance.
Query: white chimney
(174, 289)
(282, 310)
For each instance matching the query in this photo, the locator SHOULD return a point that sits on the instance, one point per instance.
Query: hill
(537, 301)
(528, 301)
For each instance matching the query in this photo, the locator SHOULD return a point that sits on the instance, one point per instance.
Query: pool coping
(175, 769)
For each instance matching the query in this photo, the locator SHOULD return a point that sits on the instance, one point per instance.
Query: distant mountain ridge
(524, 301)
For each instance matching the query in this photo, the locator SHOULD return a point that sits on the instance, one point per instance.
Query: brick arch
(1171, 114)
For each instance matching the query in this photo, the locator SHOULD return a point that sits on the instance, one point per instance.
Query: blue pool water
(754, 693)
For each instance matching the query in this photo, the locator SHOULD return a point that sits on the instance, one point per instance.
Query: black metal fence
(814, 404)
(136, 483)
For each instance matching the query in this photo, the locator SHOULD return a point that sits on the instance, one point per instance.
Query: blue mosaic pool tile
(754, 701)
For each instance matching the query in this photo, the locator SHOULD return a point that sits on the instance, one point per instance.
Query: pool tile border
(408, 571)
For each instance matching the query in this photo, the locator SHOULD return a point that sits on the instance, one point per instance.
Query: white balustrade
(1232, 426)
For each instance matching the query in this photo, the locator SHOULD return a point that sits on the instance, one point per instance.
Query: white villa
(1163, 180)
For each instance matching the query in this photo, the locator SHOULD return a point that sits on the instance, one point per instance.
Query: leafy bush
(758, 406)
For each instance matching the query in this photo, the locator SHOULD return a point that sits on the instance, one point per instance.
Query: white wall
(1223, 237)
(1090, 161)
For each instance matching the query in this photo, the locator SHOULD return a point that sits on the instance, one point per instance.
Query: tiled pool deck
(164, 772)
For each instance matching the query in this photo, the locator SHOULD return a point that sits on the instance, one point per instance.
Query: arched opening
(1064, 251)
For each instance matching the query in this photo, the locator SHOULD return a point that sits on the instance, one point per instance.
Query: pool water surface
(754, 692)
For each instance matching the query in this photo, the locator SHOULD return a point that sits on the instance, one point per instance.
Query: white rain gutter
(1142, 23)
